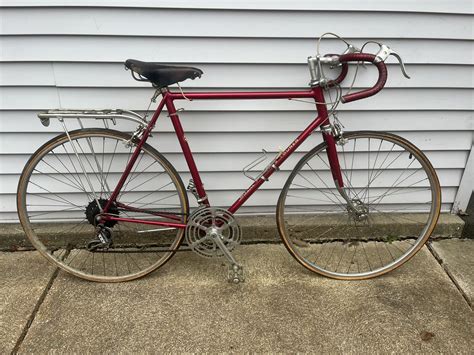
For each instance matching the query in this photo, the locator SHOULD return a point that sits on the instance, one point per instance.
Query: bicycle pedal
(236, 274)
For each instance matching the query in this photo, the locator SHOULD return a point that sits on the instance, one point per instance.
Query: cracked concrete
(24, 277)
(457, 258)
(188, 306)
(254, 229)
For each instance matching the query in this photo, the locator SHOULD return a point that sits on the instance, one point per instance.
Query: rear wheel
(65, 186)
(394, 203)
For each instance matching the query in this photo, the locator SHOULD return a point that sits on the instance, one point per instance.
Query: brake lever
(402, 65)
(385, 52)
(351, 49)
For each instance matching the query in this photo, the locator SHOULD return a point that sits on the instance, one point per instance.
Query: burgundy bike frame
(168, 99)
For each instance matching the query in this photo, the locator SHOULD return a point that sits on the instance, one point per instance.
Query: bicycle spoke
(74, 166)
(342, 257)
(388, 215)
(143, 183)
(394, 186)
(56, 179)
(396, 192)
(307, 198)
(111, 160)
(401, 174)
(338, 223)
(103, 188)
(73, 184)
(342, 241)
(62, 209)
(54, 194)
(324, 193)
(137, 164)
(31, 215)
(324, 183)
(353, 155)
(348, 181)
(103, 182)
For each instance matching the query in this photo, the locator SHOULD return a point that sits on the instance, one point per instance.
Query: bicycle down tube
(168, 100)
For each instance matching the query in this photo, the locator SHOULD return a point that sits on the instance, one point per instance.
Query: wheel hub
(359, 211)
(93, 210)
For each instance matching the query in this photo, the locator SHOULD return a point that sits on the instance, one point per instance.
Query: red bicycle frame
(168, 99)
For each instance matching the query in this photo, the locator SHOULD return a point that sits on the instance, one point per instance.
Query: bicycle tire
(63, 181)
(309, 249)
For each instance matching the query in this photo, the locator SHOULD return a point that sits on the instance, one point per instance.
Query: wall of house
(58, 54)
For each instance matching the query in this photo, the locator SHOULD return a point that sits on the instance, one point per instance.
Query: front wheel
(392, 204)
(67, 183)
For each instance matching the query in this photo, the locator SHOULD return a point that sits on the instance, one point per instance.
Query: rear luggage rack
(108, 114)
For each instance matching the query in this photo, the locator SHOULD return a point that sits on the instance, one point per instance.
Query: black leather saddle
(159, 74)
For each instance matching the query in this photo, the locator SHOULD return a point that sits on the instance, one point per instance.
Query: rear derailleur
(103, 239)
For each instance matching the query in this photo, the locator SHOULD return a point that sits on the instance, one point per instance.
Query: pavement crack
(32, 316)
(450, 275)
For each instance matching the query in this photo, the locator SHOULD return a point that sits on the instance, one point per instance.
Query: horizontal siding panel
(356, 162)
(212, 50)
(261, 121)
(26, 74)
(275, 76)
(226, 198)
(219, 181)
(40, 98)
(225, 23)
(441, 6)
(243, 142)
(11, 217)
(211, 162)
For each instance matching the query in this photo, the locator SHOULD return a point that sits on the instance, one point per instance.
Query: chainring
(206, 222)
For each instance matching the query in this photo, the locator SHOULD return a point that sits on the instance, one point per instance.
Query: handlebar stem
(314, 64)
(315, 70)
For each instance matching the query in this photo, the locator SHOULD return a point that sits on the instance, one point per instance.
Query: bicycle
(105, 205)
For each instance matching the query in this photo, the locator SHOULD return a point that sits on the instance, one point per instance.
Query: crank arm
(236, 272)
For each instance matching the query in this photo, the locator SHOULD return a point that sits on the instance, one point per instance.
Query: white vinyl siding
(70, 54)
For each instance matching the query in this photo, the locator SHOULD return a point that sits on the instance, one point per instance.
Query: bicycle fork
(354, 206)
